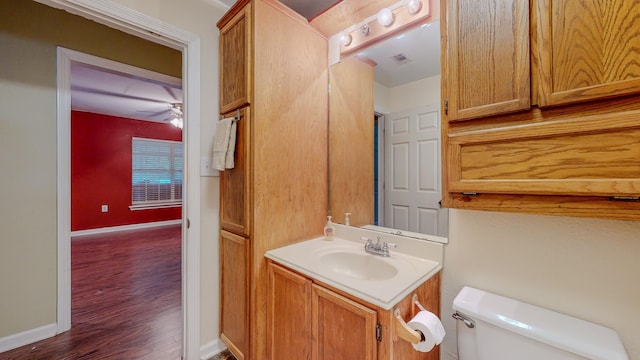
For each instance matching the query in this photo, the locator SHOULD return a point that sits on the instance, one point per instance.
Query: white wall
(405, 97)
(586, 268)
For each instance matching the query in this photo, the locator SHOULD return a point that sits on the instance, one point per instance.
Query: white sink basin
(361, 266)
(345, 265)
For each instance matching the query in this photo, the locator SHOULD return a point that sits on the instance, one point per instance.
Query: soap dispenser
(329, 229)
(346, 219)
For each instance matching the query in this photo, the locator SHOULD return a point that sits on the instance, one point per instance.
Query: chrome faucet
(377, 248)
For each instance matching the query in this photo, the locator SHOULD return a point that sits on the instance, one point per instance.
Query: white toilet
(493, 327)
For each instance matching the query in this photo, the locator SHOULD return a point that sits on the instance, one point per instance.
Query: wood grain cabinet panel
(342, 328)
(235, 184)
(588, 156)
(235, 55)
(485, 58)
(234, 290)
(587, 49)
(289, 328)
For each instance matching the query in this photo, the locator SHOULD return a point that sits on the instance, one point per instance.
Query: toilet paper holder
(403, 330)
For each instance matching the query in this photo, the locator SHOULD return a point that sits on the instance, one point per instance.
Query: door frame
(135, 23)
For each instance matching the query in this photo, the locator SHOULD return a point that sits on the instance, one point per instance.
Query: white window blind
(156, 177)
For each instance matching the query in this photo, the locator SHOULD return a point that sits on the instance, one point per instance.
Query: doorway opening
(127, 166)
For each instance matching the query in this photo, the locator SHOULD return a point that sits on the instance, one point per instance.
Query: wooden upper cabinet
(485, 57)
(587, 49)
(235, 55)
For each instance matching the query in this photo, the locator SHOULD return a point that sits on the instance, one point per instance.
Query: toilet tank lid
(555, 329)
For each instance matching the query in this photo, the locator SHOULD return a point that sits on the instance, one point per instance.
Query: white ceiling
(117, 94)
(420, 46)
(113, 93)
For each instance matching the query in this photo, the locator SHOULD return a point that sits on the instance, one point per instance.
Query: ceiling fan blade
(113, 94)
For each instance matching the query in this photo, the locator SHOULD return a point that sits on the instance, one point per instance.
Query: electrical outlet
(105, 208)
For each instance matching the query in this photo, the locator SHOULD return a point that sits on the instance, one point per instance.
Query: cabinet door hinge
(379, 332)
(446, 107)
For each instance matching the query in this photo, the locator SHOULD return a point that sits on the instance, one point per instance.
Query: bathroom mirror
(384, 135)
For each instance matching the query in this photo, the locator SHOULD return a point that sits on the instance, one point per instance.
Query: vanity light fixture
(385, 17)
(413, 6)
(345, 39)
(365, 30)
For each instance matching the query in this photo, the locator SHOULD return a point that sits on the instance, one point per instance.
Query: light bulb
(385, 17)
(413, 6)
(345, 39)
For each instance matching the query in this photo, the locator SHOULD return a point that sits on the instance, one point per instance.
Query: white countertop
(415, 260)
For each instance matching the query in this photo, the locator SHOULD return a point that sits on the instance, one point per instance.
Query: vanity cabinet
(568, 147)
(311, 320)
(273, 71)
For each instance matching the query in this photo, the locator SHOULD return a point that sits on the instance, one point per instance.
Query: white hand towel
(229, 163)
(221, 143)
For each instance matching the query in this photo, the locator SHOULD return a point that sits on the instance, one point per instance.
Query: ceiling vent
(400, 59)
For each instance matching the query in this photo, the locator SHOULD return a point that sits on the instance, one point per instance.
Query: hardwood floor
(126, 299)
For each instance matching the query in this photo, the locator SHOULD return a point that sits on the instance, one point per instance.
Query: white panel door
(412, 172)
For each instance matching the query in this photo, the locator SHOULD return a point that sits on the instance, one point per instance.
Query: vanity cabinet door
(235, 81)
(234, 293)
(485, 57)
(342, 328)
(289, 314)
(587, 49)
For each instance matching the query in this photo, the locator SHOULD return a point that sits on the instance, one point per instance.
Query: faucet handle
(386, 245)
(366, 239)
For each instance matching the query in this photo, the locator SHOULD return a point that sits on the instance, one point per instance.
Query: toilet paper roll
(431, 328)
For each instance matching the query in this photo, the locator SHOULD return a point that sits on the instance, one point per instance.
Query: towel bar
(235, 118)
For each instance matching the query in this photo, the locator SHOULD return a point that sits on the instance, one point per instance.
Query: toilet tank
(507, 329)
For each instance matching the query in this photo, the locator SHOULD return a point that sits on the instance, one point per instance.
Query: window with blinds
(156, 176)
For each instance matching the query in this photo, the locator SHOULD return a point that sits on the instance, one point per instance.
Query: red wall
(101, 170)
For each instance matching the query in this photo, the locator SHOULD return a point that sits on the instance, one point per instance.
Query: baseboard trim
(211, 349)
(125, 227)
(27, 337)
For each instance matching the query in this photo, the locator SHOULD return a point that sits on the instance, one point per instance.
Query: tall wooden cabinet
(273, 69)
(571, 145)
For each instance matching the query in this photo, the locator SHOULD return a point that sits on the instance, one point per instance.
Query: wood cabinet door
(234, 293)
(485, 58)
(235, 55)
(235, 184)
(342, 329)
(289, 315)
(587, 49)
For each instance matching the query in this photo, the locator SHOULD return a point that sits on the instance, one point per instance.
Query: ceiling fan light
(385, 17)
(177, 122)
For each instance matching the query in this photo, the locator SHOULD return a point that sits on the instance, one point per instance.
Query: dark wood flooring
(126, 299)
